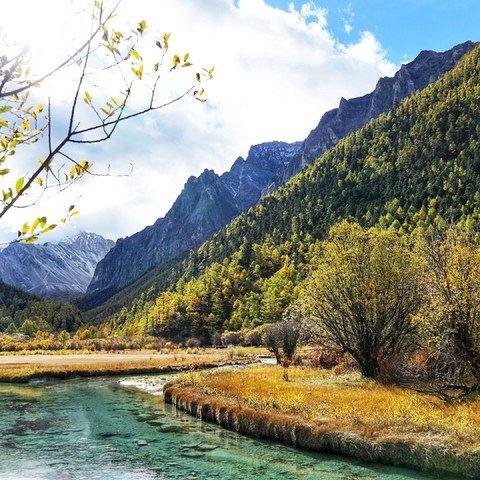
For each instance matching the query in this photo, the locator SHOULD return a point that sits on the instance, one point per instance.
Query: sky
(279, 65)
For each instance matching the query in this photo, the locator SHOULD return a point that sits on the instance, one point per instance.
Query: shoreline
(50, 372)
(292, 431)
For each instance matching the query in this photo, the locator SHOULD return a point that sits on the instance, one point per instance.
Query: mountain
(413, 170)
(353, 114)
(210, 201)
(58, 271)
(206, 204)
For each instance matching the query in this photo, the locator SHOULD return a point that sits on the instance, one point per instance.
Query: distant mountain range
(210, 201)
(59, 271)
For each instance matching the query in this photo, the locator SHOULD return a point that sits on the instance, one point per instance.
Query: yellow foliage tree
(362, 295)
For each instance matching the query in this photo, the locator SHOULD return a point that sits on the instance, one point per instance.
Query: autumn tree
(450, 316)
(362, 295)
(107, 56)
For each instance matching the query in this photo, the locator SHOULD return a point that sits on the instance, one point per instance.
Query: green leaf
(187, 64)
(88, 98)
(4, 171)
(19, 185)
(25, 228)
(3, 123)
(185, 58)
(5, 108)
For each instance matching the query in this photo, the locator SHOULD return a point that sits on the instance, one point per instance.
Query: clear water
(103, 429)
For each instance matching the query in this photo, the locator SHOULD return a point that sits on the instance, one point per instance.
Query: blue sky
(403, 27)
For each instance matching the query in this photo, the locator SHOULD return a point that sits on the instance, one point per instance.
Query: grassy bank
(22, 368)
(343, 414)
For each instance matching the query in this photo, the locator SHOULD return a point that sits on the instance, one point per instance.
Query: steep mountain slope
(205, 205)
(413, 169)
(209, 201)
(353, 114)
(59, 271)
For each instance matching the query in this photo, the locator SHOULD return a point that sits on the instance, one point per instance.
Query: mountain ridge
(206, 204)
(209, 202)
(411, 170)
(427, 67)
(60, 271)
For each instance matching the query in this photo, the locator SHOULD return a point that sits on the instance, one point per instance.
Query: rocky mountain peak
(354, 113)
(55, 270)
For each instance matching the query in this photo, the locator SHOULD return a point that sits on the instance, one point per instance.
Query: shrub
(193, 342)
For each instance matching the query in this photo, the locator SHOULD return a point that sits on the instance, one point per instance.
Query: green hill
(412, 169)
(17, 306)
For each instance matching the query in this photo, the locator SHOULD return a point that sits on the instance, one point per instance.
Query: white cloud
(348, 17)
(276, 73)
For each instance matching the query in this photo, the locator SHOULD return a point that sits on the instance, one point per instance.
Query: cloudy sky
(279, 65)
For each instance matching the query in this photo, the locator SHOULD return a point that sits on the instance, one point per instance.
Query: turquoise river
(109, 428)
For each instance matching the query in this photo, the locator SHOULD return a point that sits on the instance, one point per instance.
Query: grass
(346, 403)
(23, 368)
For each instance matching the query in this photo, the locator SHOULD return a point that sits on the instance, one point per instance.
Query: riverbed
(120, 428)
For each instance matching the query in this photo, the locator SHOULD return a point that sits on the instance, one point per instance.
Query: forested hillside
(25, 313)
(410, 170)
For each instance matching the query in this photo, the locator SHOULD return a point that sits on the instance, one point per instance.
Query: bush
(193, 342)
(232, 338)
(253, 338)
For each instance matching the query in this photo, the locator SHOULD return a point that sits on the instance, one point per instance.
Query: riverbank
(338, 414)
(23, 368)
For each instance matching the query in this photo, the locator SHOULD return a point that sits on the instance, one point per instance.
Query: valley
(311, 311)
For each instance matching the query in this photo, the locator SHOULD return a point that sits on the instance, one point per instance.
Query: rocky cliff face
(210, 201)
(60, 271)
(353, 114)
(206, 203)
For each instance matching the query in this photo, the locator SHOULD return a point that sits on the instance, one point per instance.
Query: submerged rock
(192, 454)
(207, 448)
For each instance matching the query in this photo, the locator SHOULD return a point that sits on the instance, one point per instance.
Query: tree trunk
(369, 368)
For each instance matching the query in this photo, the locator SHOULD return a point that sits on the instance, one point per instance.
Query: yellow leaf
(19, 185)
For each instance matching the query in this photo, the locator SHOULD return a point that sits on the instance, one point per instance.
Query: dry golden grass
(18, 368)
(346, 403)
